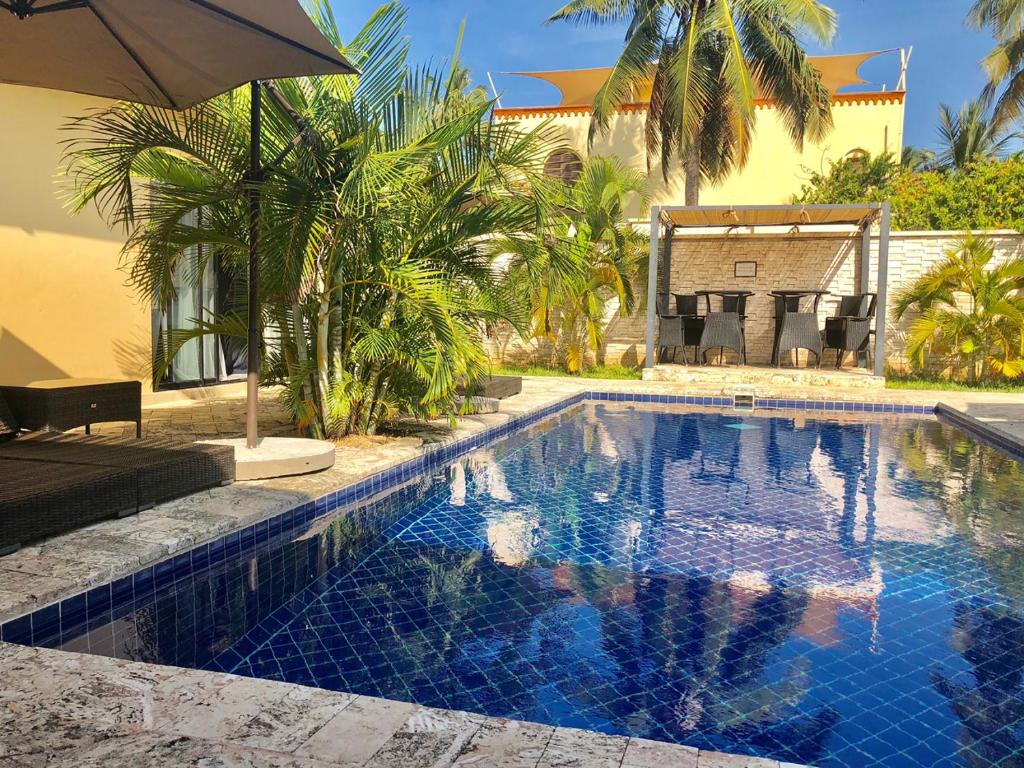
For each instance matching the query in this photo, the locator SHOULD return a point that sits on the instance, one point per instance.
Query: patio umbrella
(173, 54)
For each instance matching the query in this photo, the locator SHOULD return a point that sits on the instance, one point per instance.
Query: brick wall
(825, 261)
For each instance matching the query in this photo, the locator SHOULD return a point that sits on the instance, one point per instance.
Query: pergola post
(864, 278)
(652, 288)
(882, 308)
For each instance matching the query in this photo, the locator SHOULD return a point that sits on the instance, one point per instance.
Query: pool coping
(975, 427)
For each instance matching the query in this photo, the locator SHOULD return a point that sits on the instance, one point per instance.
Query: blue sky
(510, 35)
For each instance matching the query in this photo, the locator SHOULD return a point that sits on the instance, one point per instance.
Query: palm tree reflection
(991, 705)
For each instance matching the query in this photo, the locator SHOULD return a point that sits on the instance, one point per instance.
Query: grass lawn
(938, 383)
(618, 372)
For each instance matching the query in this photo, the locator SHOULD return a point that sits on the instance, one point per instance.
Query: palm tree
(971, 310)
(916, 159)
(709, 60)
(970, 135)
(581, 260)
(1005, 64)
(375, 279)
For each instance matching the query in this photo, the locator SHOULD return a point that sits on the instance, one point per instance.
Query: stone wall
(784, 261)
(826, 261)
(911, 254)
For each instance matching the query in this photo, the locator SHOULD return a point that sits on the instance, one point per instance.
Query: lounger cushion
(164, 469)
(8, 424)
(41, 499)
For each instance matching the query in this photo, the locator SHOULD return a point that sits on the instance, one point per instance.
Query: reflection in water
(835, 593)
(990, 703)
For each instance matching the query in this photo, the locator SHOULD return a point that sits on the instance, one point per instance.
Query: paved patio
(66, 709)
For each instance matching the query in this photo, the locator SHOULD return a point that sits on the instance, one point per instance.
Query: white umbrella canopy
(168, 53)
(172, 54)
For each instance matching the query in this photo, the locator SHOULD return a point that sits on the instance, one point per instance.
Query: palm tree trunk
(323, 359)
(300, 350)
(692, 168)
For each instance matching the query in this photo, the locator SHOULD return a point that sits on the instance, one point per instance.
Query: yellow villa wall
(64, 307)
(776, 169)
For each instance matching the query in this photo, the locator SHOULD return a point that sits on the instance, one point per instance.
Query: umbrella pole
(253, 351)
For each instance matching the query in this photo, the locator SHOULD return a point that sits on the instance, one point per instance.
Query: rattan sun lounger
(51, 483)
(496, 387)
(162, 469)
(42, 498)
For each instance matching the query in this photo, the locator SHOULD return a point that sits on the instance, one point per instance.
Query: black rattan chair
(687, 307)
(725, 329)
(783, 304)
(670, 336)
(665, 308)
(687, 304)
(795, 329)
(850, 329)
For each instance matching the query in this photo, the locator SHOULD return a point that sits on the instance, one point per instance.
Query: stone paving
(60, 709)
(68, 710)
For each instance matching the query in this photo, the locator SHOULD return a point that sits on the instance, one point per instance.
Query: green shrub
(988, 194)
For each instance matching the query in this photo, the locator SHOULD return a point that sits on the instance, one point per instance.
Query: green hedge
(985, 195)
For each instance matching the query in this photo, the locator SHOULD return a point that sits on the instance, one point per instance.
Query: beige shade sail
(580, 87)
(770, 216)
(168, 53)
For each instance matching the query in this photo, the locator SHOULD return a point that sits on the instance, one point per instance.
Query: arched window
(857, 157)
(565, 165)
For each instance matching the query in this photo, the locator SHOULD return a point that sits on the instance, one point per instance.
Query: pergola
(859, 218)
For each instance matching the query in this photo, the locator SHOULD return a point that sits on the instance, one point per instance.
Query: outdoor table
(725, 329)
(796, 329)
(63, 404)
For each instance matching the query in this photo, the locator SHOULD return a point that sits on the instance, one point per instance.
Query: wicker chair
(693, 323)
(725, 329)
(850, 329)
(670, 336)
(795, 329)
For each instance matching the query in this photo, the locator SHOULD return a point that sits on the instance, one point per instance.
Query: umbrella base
(279, 457)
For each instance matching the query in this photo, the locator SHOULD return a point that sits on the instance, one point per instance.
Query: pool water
(839, 593)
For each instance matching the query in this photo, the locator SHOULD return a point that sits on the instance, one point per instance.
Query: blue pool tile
(97, 604)
(181, 565)
(73, 611)
(201, 557)
(46, 625)
(122, 591)
(143, 583)
(17, 631)
(163, 574)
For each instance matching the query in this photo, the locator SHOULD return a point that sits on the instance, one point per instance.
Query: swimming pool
(834, 591)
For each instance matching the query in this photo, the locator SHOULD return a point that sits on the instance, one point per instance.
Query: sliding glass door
(201, 294)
